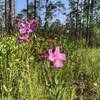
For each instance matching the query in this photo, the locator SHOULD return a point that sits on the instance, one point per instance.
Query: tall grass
(25, 76)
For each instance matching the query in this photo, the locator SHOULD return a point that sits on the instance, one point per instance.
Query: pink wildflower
(56, 57)
(26, 28)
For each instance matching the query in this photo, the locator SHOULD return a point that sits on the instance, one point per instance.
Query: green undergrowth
(25, 76)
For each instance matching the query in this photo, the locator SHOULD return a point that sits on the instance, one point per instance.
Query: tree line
(82, 17)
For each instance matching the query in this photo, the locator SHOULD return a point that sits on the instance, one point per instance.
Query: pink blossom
(23, 38)
(56, 57)
(28, 26)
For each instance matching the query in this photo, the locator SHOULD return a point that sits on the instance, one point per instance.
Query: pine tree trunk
(5, 14)
(76, 32)
(35, 12)
(27, 8)
(46, 14)
(10, 16)
(91, 20)
(87, 30)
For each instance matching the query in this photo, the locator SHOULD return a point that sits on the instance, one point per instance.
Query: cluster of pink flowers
(27, 27)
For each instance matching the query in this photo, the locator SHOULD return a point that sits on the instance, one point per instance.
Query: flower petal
(22, 30)
(30, 30)
(57, 50)
(23, 37)
(23, 24)
(58, 63)
(51, 55)
(63, 56)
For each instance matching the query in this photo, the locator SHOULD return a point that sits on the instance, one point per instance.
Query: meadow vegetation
(25, 75)
(50, 50)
